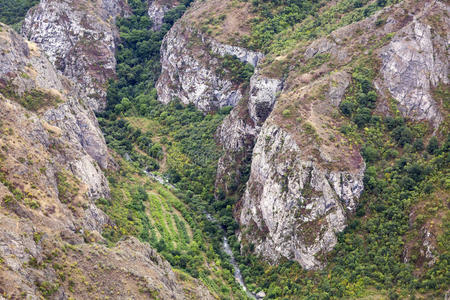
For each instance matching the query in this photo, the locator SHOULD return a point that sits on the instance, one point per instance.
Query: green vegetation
(33, 100)
(13, 12)
(47, 288)
(67, 188)
(155, 215)
(406, 181)
(17, 193)
(405, 171)
(360, 105)
(239, 71)
(405, 187)
(176, 140)
(277, 26)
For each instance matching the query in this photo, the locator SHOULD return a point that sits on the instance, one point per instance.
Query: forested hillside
(13, 12)
(312, 137)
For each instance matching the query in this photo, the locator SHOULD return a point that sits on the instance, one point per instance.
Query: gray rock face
(157, 9)
(17, 57)
(238, 132)
(75, 125)
(339, 82)
(414, 62)
(192, 78)
(110, 9)
(242, 54)
(236, 135)
(81, 128)
(79, 38)
(52, 153)
(292, 207)
(263, 94)
(244, 121)
(190, 71)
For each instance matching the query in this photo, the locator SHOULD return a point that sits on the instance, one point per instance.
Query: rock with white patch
(413, 62)
(293, 207)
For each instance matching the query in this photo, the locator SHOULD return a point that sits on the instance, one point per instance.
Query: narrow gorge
(206, 149)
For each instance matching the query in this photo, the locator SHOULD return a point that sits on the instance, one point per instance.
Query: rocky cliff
(301, 189)
(51, 160)
(190, 70)
(79, 38)
(157, 10)
(415, 61)
(293, 206)
(306, 176)
(29, 78)
(293, 146)
(238, 133)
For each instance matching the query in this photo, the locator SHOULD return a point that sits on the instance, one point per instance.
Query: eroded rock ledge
(79, 38)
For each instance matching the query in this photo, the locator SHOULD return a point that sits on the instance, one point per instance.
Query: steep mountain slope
(52, 157)
(336, 166)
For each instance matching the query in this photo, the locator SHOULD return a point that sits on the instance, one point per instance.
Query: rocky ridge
(300, 193)
(292, 207)
(27, 72)
(190, 64)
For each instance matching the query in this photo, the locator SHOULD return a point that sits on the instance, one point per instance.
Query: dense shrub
(433, 145)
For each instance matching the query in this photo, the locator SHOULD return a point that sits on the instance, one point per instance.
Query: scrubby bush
(370, 154)
(433, 145)
(362, 117)
(403, 135)
(418, 145)
(346, 108)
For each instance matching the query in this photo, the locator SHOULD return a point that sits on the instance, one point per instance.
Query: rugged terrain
(312, 134)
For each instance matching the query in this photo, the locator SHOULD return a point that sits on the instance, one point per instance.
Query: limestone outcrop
(79, 38)
(293, 207)
(191, 65)
(157, 9)
(414, 62)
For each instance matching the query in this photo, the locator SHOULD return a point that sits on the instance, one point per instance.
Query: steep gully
(237, 271)
(226, 246)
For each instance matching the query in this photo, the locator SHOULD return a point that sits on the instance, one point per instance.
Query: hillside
(224, 149)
